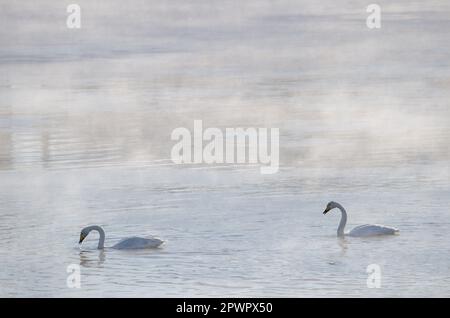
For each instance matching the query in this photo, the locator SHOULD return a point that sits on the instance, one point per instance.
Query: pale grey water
(85, 123)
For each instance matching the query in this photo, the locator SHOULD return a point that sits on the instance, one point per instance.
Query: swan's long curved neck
(343, 222)
(101, 241)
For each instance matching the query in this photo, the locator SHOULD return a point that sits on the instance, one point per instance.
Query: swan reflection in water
(343, 244)
(92, 258)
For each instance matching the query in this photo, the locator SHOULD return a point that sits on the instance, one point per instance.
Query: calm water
(85, 123)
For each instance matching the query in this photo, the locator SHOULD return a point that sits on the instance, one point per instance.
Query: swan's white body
(137, 243)
(371, 230)
(362, 230)
(130, 243)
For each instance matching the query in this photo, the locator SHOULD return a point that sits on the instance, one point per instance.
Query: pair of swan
(140, 243)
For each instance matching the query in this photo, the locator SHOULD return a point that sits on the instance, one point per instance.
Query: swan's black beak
(82, 237)
(326, 211)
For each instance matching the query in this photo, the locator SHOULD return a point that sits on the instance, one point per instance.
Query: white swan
(126, 244)
(362, 230)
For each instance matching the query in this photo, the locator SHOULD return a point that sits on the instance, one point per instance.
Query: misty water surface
(86, 117)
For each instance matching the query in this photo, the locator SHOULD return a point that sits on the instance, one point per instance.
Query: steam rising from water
(86, 117)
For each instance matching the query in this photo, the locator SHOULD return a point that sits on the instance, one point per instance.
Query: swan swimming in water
(126, 244)
(359, 231)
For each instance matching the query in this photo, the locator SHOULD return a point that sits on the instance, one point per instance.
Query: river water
(86, 117)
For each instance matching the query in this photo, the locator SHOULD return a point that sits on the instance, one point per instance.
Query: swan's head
(83, 234)
(330, 206)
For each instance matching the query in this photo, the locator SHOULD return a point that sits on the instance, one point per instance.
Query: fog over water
(86, 117)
